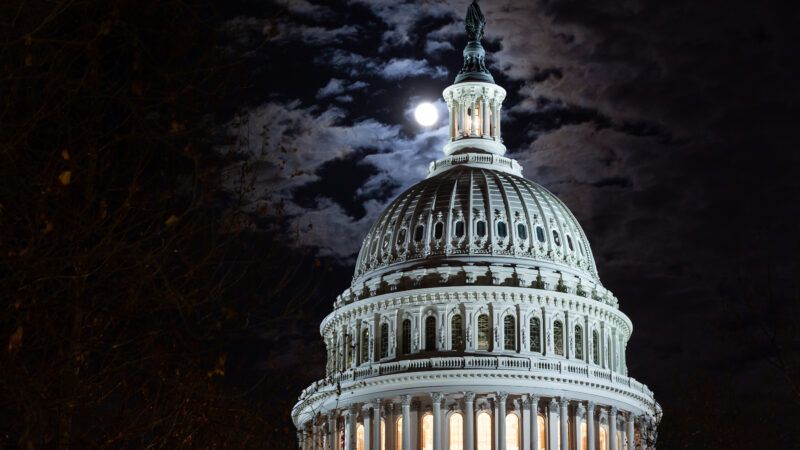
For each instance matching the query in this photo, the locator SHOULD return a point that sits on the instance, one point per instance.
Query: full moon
(426, 114)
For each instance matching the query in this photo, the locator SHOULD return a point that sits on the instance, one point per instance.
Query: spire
(474, 68)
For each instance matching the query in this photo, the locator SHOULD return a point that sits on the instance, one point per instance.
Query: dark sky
(668, 127)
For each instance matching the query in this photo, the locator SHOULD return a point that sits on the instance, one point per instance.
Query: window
(438, 230)
(512, 432)
(578, 342)
(556, 239)
(384, 340)
(459, 229)
(584, 437)
(540, 234)
(387, 239)
(502, 229)
(608, 350)
(485, 437)
(456, 432)
(383, 434)
(398, 432)
(558, 337)
(595, 347)
(569, 243)
(542, 433)
(349, 350)
(401, 236)
(419, 233)
(580, 246)
(457, 332)
(536, 334)
(430, 333)
(406, 347)
(522, 232)
(509, 333)
(603, 438)
(480, 228)
(427, 432)
(365, 345)
(360, 437)
(483, 332)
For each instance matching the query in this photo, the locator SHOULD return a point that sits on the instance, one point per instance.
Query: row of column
(483, 120)
(556, 434)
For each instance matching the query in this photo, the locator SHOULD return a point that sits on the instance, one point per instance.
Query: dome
(472, 215)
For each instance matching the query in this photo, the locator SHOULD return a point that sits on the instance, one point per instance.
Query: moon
(426, 114)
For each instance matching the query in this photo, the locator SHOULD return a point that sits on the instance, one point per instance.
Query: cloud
(247, 30)
(434, 47)
(401, 18)
(398, 68)
(336, 87)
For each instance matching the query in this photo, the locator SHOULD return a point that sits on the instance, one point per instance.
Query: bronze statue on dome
(474, 22)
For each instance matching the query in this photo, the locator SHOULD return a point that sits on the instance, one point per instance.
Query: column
(331, 430)
(590, 426)
(497, 121)
(500, 420)
(469, 421)
(612, 428)
(485, 125)
(564, 430)
(406, 402)
(552, 425)
(376, 425)
(437, 420)
(367, 424)
(631, 432)
(350, 429)
(526, 423)
(451, 111)
(317, 437)
(535, 444)
(301, 442)
(580, 411)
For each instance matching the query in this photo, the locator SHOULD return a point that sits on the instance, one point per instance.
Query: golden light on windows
(383, 434)
(603, 438)
(542, 433)
(512, 432)
(360, 437)
(484, 431)
(456, 431)
(427, 432)
(398, 432)
(584, 437)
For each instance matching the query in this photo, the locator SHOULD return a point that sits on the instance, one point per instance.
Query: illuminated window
(383, 434)
(430, 333)
(365, 345)
(536, 334)
(484, 431)
(558, 337)
(522, 232)
(427, 432)
(459, 229)
(457, 332)
(603, 438)
(578, 342)
(398, 432)
(384, 340)
(512, 432)
(509, 333)
(542, 433)
(595, 347)
(406, 347)
(360, 437)
(480, 228)
(456, 432)
(502, 229)
(584, 437)
(438, 230)
(483, 332)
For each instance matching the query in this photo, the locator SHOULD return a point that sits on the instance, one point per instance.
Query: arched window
(480, 228)
(457, 332)
(427, 432)
(459, 229)
(456, 431)
(558, 337)
(438, 230)
(387, 239)
(398, 432)
(384, 340)
(364, 345)
(595, 347)
(484, 333)
(619, 439)
(383, 434)
(522, 231)
(360, 437)
(542, 433)
(401, 236)
(603, 438)
(484, 431)
(509, 333)
(419, 233)
(569, 243)
(536, 334)
(348, 350)
(540, 234)
(608, 358)
(406, 347)
(512, 432)
(584, 437)
(430, 333)
(556, 238)
(502, 229)
(578, 342)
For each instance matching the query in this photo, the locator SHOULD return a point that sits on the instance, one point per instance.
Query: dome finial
(474, 68)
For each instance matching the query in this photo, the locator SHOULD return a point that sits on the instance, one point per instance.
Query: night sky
(669, 128)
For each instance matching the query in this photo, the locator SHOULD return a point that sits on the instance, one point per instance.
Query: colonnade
(477, 117)
(470, 421)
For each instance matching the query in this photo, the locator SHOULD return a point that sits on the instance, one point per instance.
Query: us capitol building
(476, 319)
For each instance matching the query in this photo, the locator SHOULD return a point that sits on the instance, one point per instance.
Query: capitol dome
(476, 319)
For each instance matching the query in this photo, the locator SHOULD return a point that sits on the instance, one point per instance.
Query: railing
(480, 362)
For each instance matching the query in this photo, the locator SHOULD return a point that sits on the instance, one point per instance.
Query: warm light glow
(398, 432)
(484, 431)
(383, 434)
(584, 438)
(603, 438)
(542, 433)
(426, 114)
(456, 432)
(360, 437)
(427, 432)
(512, 432)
